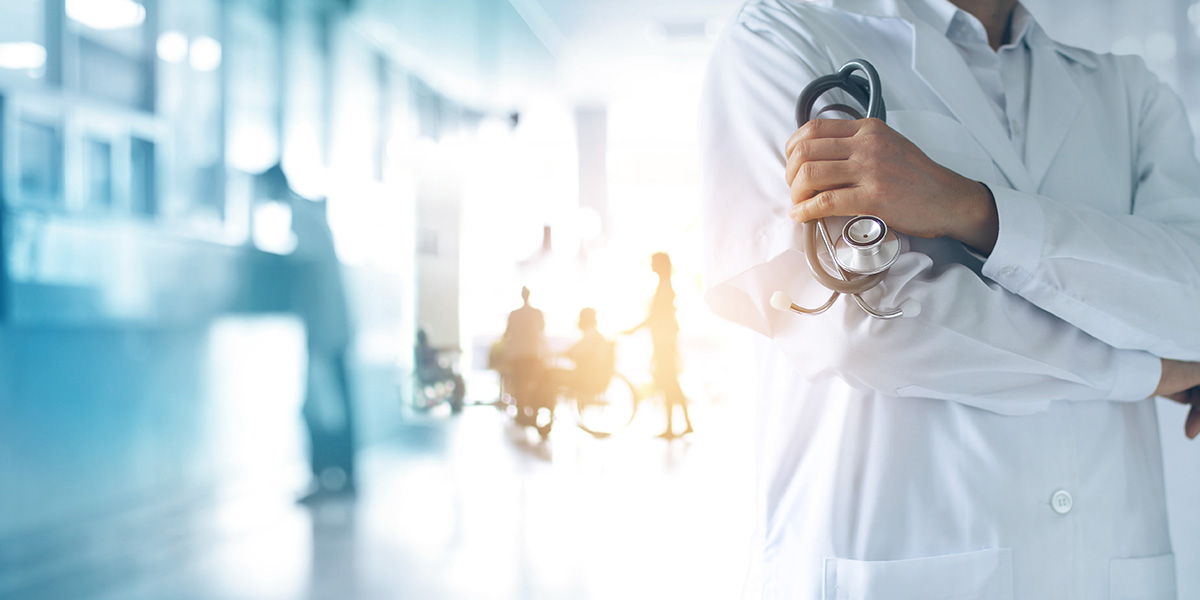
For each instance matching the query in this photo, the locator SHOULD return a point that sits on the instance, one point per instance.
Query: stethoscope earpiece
(781, 301)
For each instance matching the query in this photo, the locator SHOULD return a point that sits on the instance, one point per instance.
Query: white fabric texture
(890, 446)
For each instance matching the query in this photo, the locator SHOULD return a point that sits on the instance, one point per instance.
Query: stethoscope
(866, 248)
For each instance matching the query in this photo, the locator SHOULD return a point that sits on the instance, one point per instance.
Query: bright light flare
(273, 228)
(172, 47)
(106, 15)
(22, 55)
(205, 54)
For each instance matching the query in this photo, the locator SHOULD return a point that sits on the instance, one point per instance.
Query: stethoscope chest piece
(866, 246)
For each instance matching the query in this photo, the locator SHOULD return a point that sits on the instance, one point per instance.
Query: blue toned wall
(149, 363)
(116, 439)
(94, 419)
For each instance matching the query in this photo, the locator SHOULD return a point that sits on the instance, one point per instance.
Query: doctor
(1003, 443)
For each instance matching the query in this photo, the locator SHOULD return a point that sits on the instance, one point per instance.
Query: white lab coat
(917, 458)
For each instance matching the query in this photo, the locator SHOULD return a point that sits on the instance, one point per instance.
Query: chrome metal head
(867, 246)
(864, 231)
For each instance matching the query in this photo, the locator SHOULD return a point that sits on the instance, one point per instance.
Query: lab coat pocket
(981, 575)
(946, 141)
(1151, 578)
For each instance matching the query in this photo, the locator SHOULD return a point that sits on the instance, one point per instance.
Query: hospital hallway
(196, 498)
(242, 240)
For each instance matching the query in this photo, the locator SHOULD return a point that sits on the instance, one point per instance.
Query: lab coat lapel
(1054, 104)
(938, 63)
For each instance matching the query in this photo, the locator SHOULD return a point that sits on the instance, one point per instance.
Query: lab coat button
(1061, 502)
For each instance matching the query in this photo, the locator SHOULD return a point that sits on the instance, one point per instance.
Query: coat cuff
(1018, 249)
(1137, 377)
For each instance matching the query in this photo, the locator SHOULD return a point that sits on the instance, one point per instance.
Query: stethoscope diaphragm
(867, 246)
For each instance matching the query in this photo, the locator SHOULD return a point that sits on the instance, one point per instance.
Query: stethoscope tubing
(869, 93)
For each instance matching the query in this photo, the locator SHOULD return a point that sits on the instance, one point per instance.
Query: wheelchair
(600, 404)
(438, 385)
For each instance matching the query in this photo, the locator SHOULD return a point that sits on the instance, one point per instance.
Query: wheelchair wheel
(424, 396)
(609, 411)
(427, 395)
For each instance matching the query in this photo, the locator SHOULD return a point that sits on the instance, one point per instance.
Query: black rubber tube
(869, 93)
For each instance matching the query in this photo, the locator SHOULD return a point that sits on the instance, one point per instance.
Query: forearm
(977, 223)
(1112, 244)
(1177, 376)
(972, 343)
(1131, 282)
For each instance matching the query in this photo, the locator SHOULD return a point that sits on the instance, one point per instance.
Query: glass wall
(133, 130)
(254, 89)
(189, 102)
(38, 149)
(78, 79)
(23, 44)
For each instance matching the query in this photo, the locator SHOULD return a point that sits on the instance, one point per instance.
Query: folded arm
(1131, 280)
(975, 342)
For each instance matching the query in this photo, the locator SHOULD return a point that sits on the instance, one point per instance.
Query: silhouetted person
(664, 333)
(525, 353)
(593, 358)
(431, 371)
(317, 295)
(592, 355)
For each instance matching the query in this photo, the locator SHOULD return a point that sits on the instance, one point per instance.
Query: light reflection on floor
(474, 507)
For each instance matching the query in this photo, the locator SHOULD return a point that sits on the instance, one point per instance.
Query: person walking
(664, 334)
(317, 294)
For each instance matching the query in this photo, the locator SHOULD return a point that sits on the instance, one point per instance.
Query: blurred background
(224, 222)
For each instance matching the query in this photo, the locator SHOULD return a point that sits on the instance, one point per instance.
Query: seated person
(593, 356)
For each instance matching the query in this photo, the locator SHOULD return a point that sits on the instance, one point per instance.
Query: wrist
(978, 220)
(1177, 376)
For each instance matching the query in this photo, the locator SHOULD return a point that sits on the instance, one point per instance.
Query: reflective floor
(474, 507)
(466, 506)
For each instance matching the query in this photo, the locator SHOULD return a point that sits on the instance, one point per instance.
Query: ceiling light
(106, 14)
(172, 47)
(22, 55)
(206, 54)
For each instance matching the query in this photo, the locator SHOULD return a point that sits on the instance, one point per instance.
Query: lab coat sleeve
(1131, 280)
(973, 342)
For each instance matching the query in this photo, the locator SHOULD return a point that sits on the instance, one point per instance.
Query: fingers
(829, 203)
(814, 177)
(824, 128)
(819, 153)
(1192, 426)
(820, 149)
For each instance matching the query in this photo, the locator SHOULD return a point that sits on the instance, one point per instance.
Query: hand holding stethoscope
(866, 249)
(864, 169)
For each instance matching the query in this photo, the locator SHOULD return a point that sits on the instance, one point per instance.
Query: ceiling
(508, 51)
